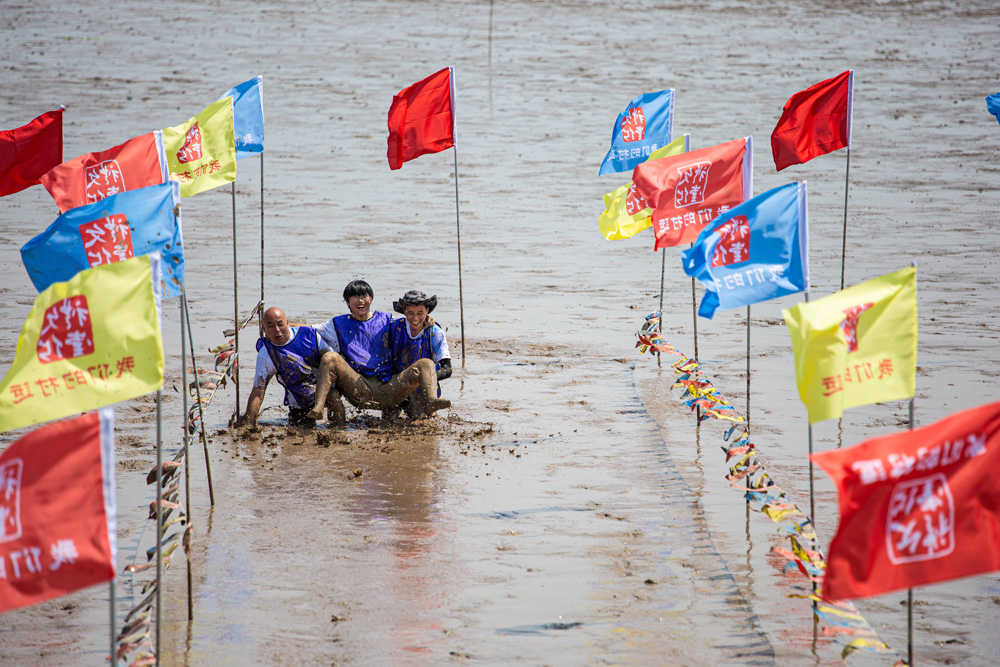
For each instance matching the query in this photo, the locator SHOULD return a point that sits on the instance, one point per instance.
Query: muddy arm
(253, 407)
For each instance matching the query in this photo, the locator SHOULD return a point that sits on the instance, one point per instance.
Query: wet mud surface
(567, 509)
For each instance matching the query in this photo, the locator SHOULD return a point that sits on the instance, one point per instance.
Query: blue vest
(365, 345)
(406, 350)
(296, 362)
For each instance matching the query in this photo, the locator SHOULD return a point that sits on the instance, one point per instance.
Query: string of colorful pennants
(844, 623)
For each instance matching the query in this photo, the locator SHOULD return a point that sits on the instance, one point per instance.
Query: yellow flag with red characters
(88, 342)
(201, 153)
(626, 211)
(857, 346)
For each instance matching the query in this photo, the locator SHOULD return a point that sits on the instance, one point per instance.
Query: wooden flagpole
(197, 389)
(187, 450)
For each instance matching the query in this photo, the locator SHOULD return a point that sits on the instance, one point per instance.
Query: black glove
(444, 369)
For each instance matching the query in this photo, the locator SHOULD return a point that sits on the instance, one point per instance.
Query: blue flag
(756, 251)
(248, 117)
(646, 124)
(116, 228)
(993, 105)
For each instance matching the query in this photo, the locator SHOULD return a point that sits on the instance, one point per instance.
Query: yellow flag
(201, 153)
(857, 346)
(88, 342)
(622, 218)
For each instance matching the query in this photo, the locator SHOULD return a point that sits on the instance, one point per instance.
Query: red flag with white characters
(57, 510)
(916, 507)
(422, 119)
(138, 162)
(687, 191)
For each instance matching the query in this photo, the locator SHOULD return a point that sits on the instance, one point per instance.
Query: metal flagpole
(159, 519)
(187, 451)
(663, 273)
(694, 304)
(748, 368)
(909, 594)
(458, 237)
(260, 314)
(114, 644)
(236, 310)
(197, 389)
(843, 250)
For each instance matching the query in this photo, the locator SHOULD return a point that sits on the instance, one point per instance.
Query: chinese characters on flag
(688, 191)
(137, 163)
(916, 507)
(57, 510)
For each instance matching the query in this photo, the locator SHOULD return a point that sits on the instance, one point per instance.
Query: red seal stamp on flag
(634, 202)
(850, 324)
(692, 182)
(107, 240)
(734, 242)
(66, 332)
(920, 523)
(103, 180)
(191, 150)
(634, 125)
(10, 500)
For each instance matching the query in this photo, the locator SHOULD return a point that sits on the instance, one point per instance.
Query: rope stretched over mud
(134, 637)
(842, 621)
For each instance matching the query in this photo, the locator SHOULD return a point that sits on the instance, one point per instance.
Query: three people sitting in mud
(364, 356)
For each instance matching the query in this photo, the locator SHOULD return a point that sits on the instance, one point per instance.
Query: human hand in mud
(444, 369)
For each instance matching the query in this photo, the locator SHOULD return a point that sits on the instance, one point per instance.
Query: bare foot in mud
(315, 413)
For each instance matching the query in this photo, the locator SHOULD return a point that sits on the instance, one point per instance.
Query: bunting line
(844, 624)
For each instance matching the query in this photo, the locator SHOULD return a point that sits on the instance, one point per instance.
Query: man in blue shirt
(293, 354)
(362, 368)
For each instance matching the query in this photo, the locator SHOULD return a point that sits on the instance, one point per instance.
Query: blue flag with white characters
(993, 105)
(646, 125)
(114, 229)
(248, 117)
(756, 251)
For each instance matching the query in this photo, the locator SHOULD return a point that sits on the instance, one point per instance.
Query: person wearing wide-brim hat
(416, 337)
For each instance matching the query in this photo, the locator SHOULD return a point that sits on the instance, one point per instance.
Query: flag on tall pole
(248, 117)
(626, 212)
(57, 510)
(916, 507)
(688, 191)
(89, 178)
(857, 346)
(136, 222)
(88, 342)
(646, 124)
(815, 121)
(754, 252)
(422, 119)
(201, 152)
(27, 152)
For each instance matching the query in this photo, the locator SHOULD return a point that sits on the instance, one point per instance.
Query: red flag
(138, 162)
(815, 121)
(687, 191)
(27, 152)
(916, 507)
(422, 119)
(57, 510)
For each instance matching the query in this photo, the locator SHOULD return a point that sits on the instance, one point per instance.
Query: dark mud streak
(715, 581)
